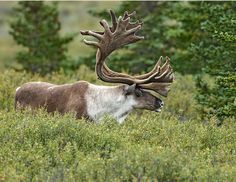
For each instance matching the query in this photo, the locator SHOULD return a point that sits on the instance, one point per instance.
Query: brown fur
(61, 98)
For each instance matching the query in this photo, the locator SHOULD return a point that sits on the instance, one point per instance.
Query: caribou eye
(138, 92)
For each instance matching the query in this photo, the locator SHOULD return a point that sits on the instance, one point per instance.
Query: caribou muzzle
(158, 105)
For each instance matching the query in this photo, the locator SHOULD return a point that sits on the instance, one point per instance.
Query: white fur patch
(103, 100)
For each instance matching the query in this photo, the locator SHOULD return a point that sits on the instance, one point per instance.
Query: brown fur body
(61, 98)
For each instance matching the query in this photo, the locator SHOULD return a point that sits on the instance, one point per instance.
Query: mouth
(158, 110)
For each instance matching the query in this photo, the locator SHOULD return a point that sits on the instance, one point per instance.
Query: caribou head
(93, 101)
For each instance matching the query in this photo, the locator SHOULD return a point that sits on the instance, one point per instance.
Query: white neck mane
(108, 100)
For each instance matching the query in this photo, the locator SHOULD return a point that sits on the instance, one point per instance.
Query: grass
(174, 145)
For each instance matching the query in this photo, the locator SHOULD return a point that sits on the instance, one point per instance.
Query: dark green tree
(217, 49)
(36, 27)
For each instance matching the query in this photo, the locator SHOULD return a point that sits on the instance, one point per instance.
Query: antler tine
(161, 88)
(166, 72)
(131, 25)
(113, 20)
(124, 18)
(92, 43)
(133, 30)
(105, 26)
(155, 69)
(127, 15)
(97, 35)
(163, 75)
(166, 64)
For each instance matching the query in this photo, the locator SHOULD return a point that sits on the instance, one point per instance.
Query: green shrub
(152, 147)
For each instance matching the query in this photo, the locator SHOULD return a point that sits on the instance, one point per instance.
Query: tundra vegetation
(192, 139)
(174, 145)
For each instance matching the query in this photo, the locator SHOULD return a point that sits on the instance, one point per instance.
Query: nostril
(159, 103)
(162, 104)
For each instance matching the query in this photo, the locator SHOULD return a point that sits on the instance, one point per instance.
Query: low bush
(155, 147)
(173, 145)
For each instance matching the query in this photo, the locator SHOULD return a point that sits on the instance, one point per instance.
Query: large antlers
(122, 32)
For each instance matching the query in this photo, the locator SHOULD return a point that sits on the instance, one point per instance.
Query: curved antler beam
(123, 32)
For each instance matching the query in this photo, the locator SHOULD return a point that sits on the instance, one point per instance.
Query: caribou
(94, 101)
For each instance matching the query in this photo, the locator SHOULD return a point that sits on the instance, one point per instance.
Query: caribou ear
(129, 89)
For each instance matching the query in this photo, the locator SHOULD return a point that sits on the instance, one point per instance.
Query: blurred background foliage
(199, 37)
